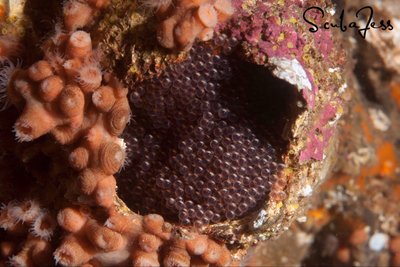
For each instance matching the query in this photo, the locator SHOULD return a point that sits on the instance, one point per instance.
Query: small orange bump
(103, 98)
(88, 181)
(111, 158)
(207, 15)
(73, 251)
(165, 33)
(72, 220)
(118, 117)
(64, 134)
(212, 253)
(387, 160)
(225, 9)
(197, 245)
(148, 242)
(153, 223)
(76, 14)
(164, 236)
(50, 88)
(104, 238)
(79, 44)
(124, 224)
(176, 257)
(24, 88)
(40, 70)
(186, 32)
(94, 138)
(79, 158)
(72, 101)
(89, 77)
(71, 68)
(318, 216)
(105, 192)
(145, 259)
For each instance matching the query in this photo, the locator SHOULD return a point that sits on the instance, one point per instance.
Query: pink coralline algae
(319, 136)
(271, 35)
(279, 37)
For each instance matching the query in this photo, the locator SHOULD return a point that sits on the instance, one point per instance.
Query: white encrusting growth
(291, 71)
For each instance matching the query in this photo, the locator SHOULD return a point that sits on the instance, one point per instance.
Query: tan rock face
(225, 141)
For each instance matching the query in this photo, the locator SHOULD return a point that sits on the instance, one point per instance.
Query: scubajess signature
(364, 15)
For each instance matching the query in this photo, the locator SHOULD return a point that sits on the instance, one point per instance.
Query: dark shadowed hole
(272, 101)
(369, 70)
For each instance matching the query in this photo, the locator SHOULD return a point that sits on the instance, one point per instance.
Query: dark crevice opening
(272, 102)
(369, 62)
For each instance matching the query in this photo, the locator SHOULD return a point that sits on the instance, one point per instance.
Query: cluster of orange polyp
(144, 241)
(66, 96)
(188, 20)
(69, 98)
(33, 249)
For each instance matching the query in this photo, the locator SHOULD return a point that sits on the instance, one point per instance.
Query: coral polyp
(185, 21)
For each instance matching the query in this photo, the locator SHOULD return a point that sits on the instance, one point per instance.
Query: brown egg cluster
(193, 149)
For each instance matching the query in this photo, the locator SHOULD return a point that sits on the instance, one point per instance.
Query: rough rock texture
(353, 219)
(71, 106)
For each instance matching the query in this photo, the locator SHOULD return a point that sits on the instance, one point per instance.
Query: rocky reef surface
(353, 219)
(169, 133)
